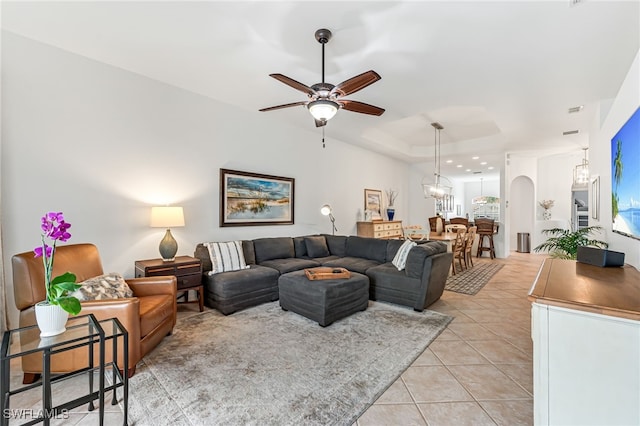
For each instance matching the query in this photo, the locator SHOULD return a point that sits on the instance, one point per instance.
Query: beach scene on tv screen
(625, 178)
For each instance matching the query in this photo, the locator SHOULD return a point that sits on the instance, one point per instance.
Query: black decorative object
(600, 257)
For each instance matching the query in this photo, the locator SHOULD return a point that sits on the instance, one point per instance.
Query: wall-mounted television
(625, 178)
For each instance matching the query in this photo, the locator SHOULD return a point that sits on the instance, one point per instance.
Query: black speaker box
(600, 257)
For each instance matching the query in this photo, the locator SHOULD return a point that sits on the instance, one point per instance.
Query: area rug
(471, 281)
(266, 366)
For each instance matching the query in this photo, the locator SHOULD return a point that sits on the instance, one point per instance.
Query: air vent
(477, 173)
(575, 109)
(570, 132)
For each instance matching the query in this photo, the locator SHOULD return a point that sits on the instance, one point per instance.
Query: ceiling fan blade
(283, 106)
(295, 84)
(320, 123)
(360, 107)
(356, 83)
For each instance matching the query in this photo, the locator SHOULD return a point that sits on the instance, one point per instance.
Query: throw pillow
(226, 256)
(316, 246)
(400, 259)
(107, 286)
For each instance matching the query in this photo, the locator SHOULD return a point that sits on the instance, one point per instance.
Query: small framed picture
(373, 203)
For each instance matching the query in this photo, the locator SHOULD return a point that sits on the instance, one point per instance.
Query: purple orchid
(56, 229)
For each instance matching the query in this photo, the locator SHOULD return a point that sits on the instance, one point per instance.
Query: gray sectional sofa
(420, 284)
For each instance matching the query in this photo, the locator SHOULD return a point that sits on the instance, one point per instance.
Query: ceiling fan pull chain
(323, 138)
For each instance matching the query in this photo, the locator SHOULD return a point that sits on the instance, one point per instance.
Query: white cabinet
(585, 326)
(586, 368)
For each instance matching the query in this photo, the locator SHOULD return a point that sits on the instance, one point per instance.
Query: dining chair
(459, 221)
(414, 233)
(458, 249)
(486, 229)
(454, 227)
(471, 237)
(436, 224)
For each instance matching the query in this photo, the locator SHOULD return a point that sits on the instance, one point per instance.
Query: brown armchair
(148, 316)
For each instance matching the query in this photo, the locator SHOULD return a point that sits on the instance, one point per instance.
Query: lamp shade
(167, 217)
(323, 110)
(325, 210)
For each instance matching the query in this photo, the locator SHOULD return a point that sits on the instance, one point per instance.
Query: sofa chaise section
(231, 291)
(420, 284)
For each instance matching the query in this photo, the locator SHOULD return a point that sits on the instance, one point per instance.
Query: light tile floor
(480, 370)
(477, 372)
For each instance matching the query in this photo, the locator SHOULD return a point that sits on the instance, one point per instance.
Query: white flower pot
(51, 319)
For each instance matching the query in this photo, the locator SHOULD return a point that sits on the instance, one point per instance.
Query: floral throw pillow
(107, 286)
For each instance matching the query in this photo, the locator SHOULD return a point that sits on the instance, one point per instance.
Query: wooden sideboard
(585, 326)
(380, 229)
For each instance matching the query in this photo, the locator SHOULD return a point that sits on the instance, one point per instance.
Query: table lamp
(167, 217)
(326, 211)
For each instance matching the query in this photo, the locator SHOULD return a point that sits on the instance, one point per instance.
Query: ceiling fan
(324, 98)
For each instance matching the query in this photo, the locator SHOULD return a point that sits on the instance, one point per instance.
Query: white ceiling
(499, 76)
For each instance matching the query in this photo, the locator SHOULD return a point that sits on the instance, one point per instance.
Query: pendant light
(440, 187)
(581, 171)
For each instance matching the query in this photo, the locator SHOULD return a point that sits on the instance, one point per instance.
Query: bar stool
(485, 230)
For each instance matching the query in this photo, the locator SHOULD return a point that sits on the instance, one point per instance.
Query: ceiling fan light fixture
(322, 109)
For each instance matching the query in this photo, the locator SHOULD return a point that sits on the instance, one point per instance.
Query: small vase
(391, 212)
(546, 214)
(51, 319)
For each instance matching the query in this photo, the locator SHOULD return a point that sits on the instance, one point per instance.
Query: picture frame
(250, 199)
(373, 203)
(595, 198)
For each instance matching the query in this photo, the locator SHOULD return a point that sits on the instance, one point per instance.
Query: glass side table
(82, 331)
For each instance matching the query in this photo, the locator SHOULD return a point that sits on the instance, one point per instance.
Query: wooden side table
(186, 269)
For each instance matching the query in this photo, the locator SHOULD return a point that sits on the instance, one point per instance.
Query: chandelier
(581, 171)
(440, 187)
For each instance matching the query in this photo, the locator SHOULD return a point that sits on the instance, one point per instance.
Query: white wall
(626, 102)
(103, 145)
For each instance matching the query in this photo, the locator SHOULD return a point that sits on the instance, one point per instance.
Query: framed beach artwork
(254, 199)
(625, 178)
(373, 203)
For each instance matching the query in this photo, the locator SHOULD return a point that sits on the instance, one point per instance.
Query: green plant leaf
(70, 304)
(66, 277)
(564, 243)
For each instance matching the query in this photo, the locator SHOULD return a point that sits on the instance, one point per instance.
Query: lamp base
(168, 247)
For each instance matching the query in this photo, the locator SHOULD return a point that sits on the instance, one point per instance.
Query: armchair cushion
(106, 286)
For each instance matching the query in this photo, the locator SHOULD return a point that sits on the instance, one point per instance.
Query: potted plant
(564, 243)
(53, 312)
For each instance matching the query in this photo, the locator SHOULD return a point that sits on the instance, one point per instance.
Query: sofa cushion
(106, 286)
(154, 310)
(299, 247)
(316, 246)
(337, 244)
(392, 248)
(226, 256)
(416, 257)
(237, 283)
(249, 252)
(273, 248)
(400, 259)
(290, 264)
(367, 248)
(354, 264)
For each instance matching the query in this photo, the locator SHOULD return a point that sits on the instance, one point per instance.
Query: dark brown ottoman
(324, 301)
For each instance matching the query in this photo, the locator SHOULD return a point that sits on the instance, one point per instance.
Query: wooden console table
(380, 229)
(586, 344)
